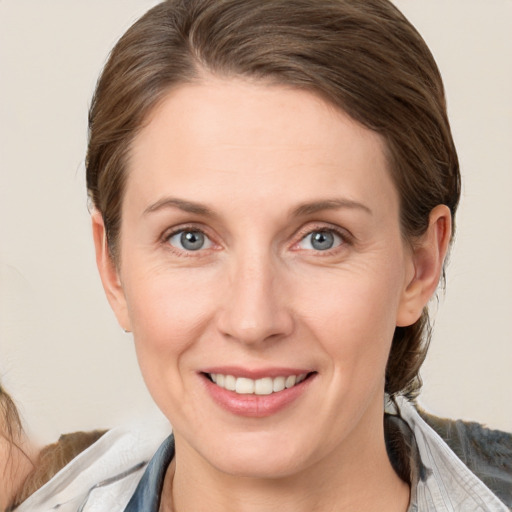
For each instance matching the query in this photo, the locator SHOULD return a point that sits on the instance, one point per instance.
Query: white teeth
(244, 386)
(278, 384)
(230, 382)
(290, 381)
(264, 386)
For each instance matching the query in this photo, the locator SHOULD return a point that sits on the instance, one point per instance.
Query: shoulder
(102, 477)
(53, 458)
(486, 452)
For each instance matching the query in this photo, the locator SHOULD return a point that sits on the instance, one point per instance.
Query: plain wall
(63, 356)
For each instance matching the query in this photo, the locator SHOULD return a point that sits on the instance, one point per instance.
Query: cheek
(353, 314)
(168, 312)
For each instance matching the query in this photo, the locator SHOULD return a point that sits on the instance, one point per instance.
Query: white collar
(107, 472)
(110, 469)
(447, 484)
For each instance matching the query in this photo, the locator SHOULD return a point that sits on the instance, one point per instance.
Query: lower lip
(256, 406)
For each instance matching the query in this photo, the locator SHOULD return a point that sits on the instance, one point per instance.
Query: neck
(356, 476)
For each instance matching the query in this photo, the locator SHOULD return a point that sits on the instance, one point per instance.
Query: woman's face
(261, 248)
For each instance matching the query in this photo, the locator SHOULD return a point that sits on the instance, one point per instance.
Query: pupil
(322, 240)
(192, 240)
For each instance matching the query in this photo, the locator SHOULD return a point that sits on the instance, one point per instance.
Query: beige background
(61, 353)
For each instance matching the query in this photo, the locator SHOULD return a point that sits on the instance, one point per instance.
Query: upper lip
(256, 373)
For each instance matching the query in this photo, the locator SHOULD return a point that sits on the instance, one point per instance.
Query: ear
(427, 254)
(109, 272)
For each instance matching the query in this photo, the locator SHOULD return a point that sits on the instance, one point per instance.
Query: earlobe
(109, 273)
(428, 255)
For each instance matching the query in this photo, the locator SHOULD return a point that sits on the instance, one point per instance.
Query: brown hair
(16, 462)
(10, 423)
(362, 56)
(52, 459)
(47, 463)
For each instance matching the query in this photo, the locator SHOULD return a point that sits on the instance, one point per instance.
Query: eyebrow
(302, 210)
(329, 204)
(181, 204)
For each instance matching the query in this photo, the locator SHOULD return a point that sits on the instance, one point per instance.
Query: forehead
(228, 135)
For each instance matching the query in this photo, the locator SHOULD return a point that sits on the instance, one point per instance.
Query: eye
(321, 240)
(189, 240)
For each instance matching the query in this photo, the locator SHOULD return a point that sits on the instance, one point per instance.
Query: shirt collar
(147, 494)
(439, 480)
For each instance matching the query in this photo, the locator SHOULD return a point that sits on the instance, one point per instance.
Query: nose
(255, 307)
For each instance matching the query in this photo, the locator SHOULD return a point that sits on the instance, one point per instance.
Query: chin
(258, 457)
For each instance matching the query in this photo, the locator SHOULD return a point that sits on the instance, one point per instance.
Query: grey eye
(320, 240)
(190, 240)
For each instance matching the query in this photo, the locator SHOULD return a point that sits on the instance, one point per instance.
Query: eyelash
(184, 229)
(345, 237)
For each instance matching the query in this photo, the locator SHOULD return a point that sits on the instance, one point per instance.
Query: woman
(273, 187)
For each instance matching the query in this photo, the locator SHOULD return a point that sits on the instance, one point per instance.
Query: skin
(258, 295)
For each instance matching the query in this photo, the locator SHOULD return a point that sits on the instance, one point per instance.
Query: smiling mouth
(263, 386)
